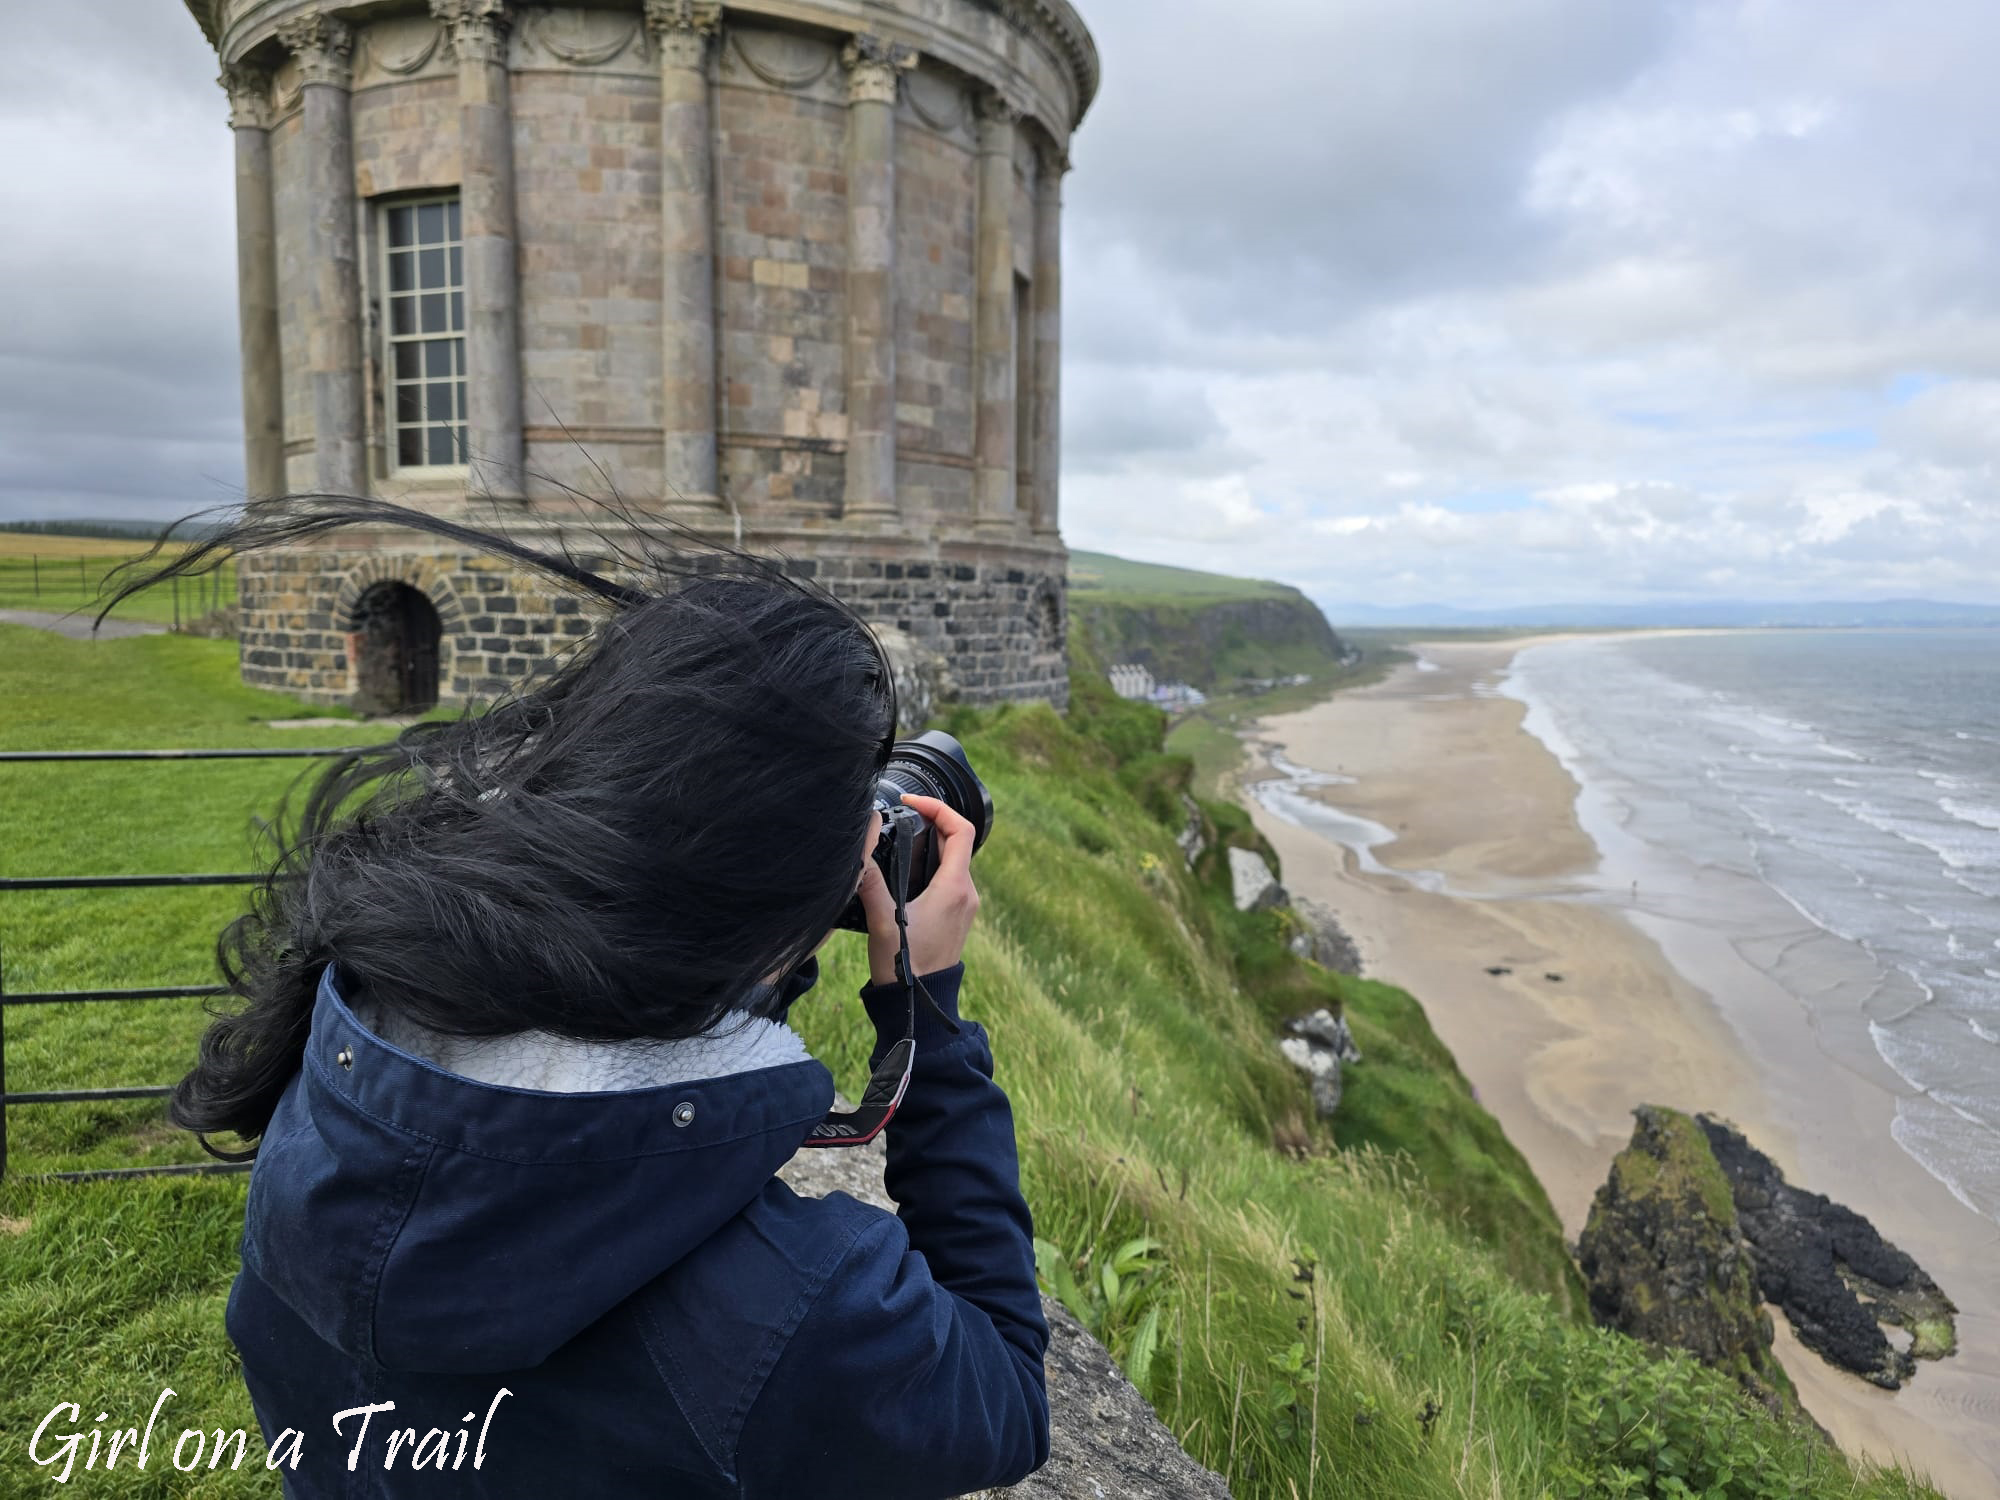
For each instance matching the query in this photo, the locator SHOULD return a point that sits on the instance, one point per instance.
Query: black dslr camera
(931, 765)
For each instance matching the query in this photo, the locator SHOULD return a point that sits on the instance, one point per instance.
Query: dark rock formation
(1321, 938)
(1318, 1045)
(1191, 839)
(1837, 1280)
(1105, 1440)
(1665, 1261)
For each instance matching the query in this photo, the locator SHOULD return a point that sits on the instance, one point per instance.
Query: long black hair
(619, 848)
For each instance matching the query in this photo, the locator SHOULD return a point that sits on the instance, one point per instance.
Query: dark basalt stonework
(1836, 1278)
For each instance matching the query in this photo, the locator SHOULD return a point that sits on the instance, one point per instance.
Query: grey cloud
(118, 375)
(1289, 157)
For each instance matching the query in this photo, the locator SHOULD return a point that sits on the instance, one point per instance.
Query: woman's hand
(938, 919)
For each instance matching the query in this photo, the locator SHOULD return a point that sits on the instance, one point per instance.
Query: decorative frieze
(324, 48)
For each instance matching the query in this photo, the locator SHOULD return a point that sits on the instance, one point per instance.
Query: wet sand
(1482, 863)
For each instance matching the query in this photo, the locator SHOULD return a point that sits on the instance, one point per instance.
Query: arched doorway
(393, 644)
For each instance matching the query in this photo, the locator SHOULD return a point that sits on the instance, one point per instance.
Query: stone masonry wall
(585, 107)
(781, 248)
(998, 616)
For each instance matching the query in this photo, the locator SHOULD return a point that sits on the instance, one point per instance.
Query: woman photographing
(512, 1060)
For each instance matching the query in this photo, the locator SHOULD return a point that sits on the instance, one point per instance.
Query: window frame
(392, 427)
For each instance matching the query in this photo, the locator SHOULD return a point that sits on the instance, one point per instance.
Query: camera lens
(934, 765)
(931, 765)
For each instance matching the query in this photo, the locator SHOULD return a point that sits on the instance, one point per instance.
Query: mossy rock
(1665, 1260)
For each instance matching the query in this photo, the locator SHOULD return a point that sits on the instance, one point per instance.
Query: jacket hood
(421, 1219)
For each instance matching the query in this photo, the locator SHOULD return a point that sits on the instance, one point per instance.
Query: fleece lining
(553, 1064)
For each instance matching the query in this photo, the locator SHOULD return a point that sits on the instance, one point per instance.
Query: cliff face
(1208, 642)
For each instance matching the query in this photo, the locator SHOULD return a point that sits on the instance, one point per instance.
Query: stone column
(873, 68)
(325, 48)
(478, 32)
(1047, 428)
(993, 321)
(257, 283)
(682, 30)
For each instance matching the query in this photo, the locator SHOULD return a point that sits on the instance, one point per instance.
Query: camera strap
(891, 1077)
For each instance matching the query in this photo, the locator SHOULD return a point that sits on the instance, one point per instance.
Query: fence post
(35, 561)
(82, 578)
(3, 1070)
(177, 601)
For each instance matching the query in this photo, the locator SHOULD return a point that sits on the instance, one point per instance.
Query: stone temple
(786, 270)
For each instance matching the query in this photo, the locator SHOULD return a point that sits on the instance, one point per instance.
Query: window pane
(453, 208)
(439, 402)
(457, 266)
(402, 315)
(430, 265)
(459, 386)
(434, 312)
(458, 312)
(410, 446)
(430, 223)
(437, 357)
(409, 403)
(409, 361)
(442, 450)
(399, 274)
(399, 226)
(458, 355)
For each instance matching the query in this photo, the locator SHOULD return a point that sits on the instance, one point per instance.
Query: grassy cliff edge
(1381, 1306)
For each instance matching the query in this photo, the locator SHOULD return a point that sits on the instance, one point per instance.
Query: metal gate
(167, 992)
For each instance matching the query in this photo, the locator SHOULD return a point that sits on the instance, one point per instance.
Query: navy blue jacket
(667, 1318)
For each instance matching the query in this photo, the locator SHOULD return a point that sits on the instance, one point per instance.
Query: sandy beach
(1476, 860)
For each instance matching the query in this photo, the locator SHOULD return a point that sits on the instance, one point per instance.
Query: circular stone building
(786, 270)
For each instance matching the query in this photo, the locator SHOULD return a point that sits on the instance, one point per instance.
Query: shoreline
(1450, 839)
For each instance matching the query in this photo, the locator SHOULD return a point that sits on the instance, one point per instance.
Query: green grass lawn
(59, 578)
(1380, 1307)
(1142, 582)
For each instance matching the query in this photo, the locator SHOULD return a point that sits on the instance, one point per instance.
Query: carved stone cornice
(1053, 160)
(324, 47)
(474, 30)
(249, 90)
(683, 29)
(874, 68)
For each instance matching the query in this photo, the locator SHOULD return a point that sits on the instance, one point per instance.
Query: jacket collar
(659, 1098)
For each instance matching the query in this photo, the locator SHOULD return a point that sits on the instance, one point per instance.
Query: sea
(1854, 777)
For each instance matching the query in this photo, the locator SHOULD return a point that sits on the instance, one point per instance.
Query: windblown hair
(620, 848)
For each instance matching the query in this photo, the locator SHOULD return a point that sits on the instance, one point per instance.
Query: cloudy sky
(1474, 301)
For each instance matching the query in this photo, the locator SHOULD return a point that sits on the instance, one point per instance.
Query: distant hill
(1101, 573)
(1810, 614)
(1207, 629)
(150, 530)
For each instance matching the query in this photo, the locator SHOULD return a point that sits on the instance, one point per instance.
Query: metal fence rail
(10, 1100)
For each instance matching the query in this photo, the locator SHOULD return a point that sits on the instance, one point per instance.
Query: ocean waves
(1851, 776)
